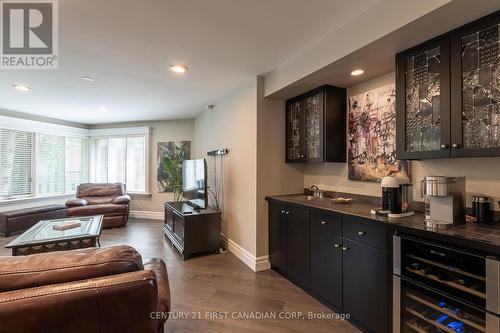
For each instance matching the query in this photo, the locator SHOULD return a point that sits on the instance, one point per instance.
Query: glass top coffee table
(42, 237)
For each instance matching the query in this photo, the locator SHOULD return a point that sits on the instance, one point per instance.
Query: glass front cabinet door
(316, 126)
(448, 94)
(422, 103)
(475, 89)
(304, 126)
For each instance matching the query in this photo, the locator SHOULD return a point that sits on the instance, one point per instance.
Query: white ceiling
(128, 45)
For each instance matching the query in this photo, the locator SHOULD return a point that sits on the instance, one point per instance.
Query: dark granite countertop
(479, 237)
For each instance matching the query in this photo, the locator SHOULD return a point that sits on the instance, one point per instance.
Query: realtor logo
(28, 34)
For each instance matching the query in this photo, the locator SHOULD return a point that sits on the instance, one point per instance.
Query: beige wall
(163, 131)
(232, 124)
(274, 176)
(482, 173)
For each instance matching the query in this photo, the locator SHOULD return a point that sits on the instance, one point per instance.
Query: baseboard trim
(142, 214)
(257, 264)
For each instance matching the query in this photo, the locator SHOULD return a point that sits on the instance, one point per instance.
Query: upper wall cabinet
(423, 101)
(316, 126)
(475, 89)
(447, 94)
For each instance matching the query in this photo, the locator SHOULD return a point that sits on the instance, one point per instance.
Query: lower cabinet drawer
(327, 222)
(365, 231)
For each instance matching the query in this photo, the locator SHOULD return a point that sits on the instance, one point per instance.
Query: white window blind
(116, 160)
(50, 164)
(123, 160)
(74, 163)
(101, 165)
(16, 149)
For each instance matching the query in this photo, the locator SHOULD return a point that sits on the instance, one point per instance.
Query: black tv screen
(194, 182)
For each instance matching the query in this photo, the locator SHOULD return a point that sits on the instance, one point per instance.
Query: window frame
(88, 137)
(36, 128)
(125, 132)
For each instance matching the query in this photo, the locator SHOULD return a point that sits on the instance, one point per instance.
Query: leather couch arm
(65, 266)
(160, 269)
(76, 202)
(119, 303)
(122, 200)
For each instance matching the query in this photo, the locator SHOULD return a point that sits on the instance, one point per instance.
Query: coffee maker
(397, 198)
(444, 201)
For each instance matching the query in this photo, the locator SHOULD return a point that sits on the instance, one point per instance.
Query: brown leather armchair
(110, 200)
(101, 290)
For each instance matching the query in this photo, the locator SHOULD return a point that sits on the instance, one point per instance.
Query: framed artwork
(372, 136)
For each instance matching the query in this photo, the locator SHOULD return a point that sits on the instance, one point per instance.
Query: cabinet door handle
(345, 248)
(445, 146)
(361, 233)
(336, 245)
(287, 213)
(455, 145)
(283, 211)
(324, 222)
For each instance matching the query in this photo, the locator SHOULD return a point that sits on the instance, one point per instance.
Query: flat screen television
(194, 183)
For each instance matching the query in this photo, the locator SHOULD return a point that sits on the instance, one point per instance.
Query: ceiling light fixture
(178, 69)
(88, 78)
(357, 72)
(22, 88)
(103, 108)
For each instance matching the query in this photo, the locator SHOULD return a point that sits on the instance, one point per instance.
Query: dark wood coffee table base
(59, 246)
(41, 238)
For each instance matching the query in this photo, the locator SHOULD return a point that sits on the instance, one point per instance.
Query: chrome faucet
(315, 190)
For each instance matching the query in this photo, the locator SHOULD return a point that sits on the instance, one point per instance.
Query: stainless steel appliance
(444, 201)
(443, 289)
(397, 198)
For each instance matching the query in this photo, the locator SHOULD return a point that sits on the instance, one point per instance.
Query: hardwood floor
(220, 289)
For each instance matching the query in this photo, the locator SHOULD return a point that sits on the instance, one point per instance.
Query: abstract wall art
(169, 165)
(372, 136)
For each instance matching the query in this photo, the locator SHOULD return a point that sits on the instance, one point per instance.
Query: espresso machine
(444, 201)
(397, 198)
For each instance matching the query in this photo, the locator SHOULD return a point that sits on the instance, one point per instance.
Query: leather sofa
(17, 221)
(110, 200)
(97, 290)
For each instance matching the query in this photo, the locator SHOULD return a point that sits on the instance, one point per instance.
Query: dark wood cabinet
(298, 242)
(192, 231)
(277, 237)
(289, 242)
(475, 88)
(423, 101)
(340, 259)
(365, 286)
(448, 94)
(326, 267)
(316, 126)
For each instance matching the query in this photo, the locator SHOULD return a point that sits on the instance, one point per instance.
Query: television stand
(192, 230)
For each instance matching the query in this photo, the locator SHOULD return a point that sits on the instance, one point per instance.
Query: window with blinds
(74, 163)
(122, 160)
(16, 148)
(50, 150)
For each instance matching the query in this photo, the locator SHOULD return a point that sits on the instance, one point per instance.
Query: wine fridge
(442, 289)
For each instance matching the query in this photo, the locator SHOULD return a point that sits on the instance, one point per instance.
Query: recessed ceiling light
(21, 87)
(178, 68)
(88, 78)
(357, 72)
(103, 108)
